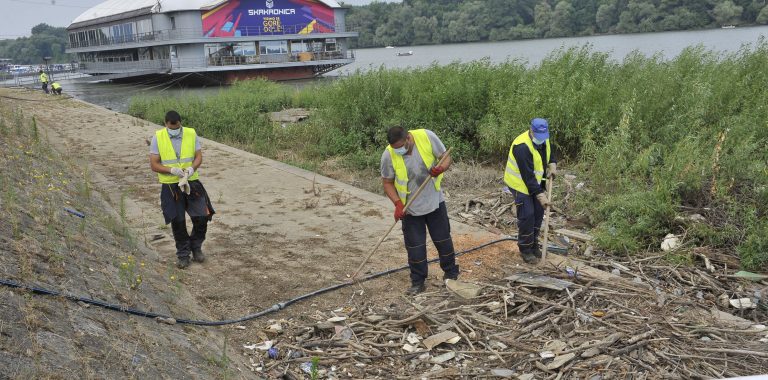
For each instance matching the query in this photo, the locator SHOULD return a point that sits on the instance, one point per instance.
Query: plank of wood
(574, 234)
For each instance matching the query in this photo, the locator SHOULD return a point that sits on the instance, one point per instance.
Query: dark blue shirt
(524, 160)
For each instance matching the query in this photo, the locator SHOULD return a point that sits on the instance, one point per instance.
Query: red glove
(399, 210)
(436, 171)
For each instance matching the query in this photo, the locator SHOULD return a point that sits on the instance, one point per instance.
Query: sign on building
(237, 18)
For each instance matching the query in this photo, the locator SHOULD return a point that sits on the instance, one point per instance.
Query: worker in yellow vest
(56, 88)
(44, 80)
(409, 160)
(530, 161)
(175, 155)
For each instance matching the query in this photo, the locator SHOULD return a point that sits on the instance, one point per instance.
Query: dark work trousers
(176, 205)
(415, 236)
(529, 218)
(45, 87)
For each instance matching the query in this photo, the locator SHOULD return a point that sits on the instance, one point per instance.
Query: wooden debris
(574, 234)
(673, 324)
(539, 281)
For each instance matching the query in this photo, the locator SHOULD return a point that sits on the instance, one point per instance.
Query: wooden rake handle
(546, 221)
(410, 202)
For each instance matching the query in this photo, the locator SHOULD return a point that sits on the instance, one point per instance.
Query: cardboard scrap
(726, 319)
(443, 337)
(463, 289)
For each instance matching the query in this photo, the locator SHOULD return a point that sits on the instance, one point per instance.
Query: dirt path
(272, 237)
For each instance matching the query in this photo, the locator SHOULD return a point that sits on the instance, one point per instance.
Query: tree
(562, 23)
(727, 13)
(762, 17)
(542, 16)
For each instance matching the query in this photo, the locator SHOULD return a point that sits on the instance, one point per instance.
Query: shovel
(410, 202)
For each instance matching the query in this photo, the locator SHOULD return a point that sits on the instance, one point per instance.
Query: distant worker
(408, 161)
(175, 155)
(524, 175)
(56, 87)
(44, 80)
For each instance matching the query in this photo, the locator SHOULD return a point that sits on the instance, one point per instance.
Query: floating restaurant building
(214, 40)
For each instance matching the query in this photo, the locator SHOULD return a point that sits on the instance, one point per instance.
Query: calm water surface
(531, 52)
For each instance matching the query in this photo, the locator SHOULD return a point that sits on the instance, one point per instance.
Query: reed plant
(651, 137)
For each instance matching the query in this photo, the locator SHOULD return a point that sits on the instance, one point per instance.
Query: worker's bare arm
(198, 159)
(157, 167)
(389, 189)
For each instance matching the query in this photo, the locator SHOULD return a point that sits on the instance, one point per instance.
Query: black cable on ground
(272, 309)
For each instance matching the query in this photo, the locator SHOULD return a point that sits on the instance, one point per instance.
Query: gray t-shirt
(430, 199)
(175, 141)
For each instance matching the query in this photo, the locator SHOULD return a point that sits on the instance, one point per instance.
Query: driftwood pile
(566, 320)
(495, 209)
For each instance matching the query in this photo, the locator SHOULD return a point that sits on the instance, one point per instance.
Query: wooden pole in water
(410, 202)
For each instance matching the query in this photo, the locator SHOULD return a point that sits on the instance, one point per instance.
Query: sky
(17, 17)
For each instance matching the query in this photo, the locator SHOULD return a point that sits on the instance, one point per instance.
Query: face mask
(401, 150)
(537, 141)
(174, 132)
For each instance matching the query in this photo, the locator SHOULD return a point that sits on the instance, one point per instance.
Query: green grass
(651, 137)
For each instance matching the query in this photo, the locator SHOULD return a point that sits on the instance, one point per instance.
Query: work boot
(183, 262)
(537, 251)
(198, 256)
(452, 276)
(530, 257)
(416, 289)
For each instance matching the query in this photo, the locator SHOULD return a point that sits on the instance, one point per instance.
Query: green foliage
(651, 137)
(45, 41)
(417, 22)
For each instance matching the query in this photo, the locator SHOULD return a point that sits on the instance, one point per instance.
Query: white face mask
(537, 141)
(174, 132)
(401, 150)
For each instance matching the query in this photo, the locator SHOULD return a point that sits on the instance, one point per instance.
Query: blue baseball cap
(540, 129)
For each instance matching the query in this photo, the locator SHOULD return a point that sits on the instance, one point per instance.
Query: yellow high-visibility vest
(43, 78)
(55, 85)
(424, 147)
(512, 177)
(168, 156)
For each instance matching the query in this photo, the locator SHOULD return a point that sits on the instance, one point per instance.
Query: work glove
(184, 185)
(543, 200)
(552, 170)
(178, 172)
(436, 171)
(191, 170)
(399, 210)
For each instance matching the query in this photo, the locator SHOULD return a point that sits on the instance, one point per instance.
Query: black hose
(273, 308)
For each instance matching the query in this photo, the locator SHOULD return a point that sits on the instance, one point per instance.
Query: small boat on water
(389, 47)
(405, 53)
(728, 26)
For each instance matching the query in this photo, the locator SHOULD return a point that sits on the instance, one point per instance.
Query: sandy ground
(272, 238)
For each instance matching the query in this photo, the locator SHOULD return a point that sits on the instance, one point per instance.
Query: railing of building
(164, 65)
(183, 34)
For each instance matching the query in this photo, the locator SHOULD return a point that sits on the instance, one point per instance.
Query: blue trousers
(529, 217)
(415, 235)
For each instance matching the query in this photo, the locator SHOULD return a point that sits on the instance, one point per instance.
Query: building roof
(132, 8)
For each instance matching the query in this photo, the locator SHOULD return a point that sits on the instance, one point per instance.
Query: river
(531, 52)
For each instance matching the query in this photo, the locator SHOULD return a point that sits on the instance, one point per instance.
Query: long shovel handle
(546, 221)
(413, 198)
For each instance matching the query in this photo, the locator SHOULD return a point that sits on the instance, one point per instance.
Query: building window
(173, 23)
(273, 47)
